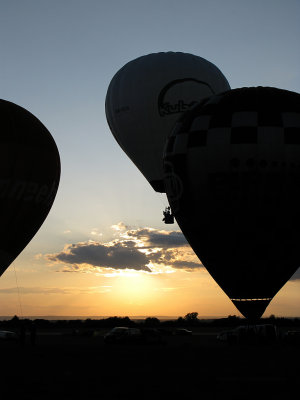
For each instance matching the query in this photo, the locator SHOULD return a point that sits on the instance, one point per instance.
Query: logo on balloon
(182, 94)
(28, 191)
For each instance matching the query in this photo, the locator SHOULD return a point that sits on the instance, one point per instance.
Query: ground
(66, 366)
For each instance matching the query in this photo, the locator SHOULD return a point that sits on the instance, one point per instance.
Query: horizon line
(136, 317)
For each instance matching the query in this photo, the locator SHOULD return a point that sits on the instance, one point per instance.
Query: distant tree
(42, 323)
(88, 323)
(126, 321)
(180, 321)
(233, 320)
(14, 322)
(152, 321)
(191, 318)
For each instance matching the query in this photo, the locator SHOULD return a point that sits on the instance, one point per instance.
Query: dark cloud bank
(126, 252)
(161, 248)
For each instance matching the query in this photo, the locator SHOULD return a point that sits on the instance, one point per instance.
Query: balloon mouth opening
(252, 309)
(258, 299)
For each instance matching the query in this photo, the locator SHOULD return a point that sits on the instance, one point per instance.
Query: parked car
(152, 336)
(182, 332)
(227, 336)
(292, 337)
(8, 335)
(267, 332)
(250, 334)
(122, 334)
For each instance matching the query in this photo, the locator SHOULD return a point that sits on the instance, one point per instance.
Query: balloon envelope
(29, 178)
(232, 173)
(145, 98)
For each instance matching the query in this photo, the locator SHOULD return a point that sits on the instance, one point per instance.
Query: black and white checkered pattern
(217, 122)
(233, 168)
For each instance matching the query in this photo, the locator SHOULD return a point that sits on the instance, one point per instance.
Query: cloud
(187, 265)
(55, 290)
(32, 290)
(95, 232)
(116, 255)
(120, 226)
(154, 238)
(142, 249)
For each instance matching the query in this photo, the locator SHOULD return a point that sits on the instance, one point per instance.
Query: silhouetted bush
(152, 322)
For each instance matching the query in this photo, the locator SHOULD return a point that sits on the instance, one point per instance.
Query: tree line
(188, 321)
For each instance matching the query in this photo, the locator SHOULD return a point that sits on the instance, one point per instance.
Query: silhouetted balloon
(232, 174)
(29, 178)
(145, 98)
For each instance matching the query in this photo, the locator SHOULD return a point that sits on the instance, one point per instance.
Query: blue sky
(57, 59)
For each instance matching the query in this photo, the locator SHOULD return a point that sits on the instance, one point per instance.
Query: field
(65, 366)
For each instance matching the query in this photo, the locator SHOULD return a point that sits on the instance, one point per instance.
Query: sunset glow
(103, 249)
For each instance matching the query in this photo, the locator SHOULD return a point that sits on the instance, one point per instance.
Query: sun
(134, 287)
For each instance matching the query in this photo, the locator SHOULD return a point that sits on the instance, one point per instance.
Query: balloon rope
(19, 297)
(163, 199)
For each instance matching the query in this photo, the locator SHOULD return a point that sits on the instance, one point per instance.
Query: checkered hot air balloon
(232, 177)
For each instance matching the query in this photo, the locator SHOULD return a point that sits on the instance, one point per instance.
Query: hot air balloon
(145, 98)
(232, 175)
(29, 178)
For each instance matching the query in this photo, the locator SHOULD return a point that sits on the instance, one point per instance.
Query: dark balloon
(232, 176)
(29, 179)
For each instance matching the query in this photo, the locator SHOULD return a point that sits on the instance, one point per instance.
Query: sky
(57, 60)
